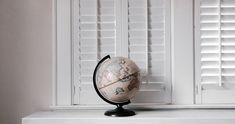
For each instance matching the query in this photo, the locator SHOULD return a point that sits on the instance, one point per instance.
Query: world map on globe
(118, 79)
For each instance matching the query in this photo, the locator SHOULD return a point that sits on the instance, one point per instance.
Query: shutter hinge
(164, 88)
(197, 90)
(76, 89)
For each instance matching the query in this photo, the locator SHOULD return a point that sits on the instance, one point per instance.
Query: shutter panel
(217, 51)
(94, 38)
(99, 28)
(146, 46)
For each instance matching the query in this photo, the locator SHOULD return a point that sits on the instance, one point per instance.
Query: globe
(116, 80)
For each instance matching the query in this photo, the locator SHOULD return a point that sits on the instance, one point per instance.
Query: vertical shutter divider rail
(147, 41)
(220, 49)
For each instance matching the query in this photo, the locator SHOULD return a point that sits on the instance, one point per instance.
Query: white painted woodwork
(159, 36)
(215, 55)
(185, 116)
(182, 52)
(149, 47)
(63, 53)
(91, 29)
(94, 36)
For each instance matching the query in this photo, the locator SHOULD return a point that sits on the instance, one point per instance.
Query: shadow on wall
(25, 58)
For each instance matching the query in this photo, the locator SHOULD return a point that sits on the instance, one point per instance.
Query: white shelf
(160, 116)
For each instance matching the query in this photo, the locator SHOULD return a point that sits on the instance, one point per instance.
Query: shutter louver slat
(217, 49)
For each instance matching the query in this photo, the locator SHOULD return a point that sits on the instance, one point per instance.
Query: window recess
(156, 34)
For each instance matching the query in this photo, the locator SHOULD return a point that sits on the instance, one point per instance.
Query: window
(136, 29)
(184, 48)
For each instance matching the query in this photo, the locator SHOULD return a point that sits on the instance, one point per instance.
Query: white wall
(25, 58)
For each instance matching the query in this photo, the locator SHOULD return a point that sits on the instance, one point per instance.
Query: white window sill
(161, 116)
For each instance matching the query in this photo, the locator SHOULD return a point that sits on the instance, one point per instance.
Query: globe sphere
(118, 79)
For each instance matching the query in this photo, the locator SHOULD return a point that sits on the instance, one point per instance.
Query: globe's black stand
(119, 111)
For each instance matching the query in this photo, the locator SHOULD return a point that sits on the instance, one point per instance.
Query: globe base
(119, 112)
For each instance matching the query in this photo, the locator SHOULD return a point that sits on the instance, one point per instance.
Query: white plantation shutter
(132, 28)
(94, 37)
(147, 47)
(215, 20)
